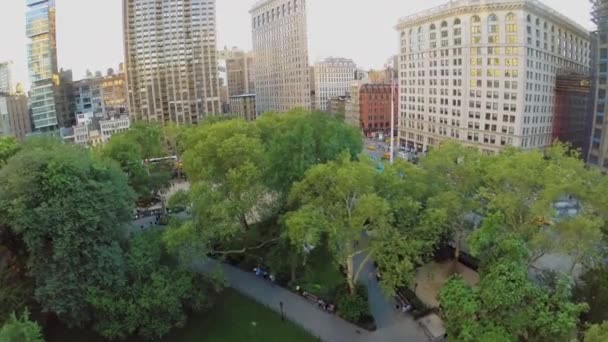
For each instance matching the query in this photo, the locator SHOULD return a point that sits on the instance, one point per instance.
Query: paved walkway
(327, 327)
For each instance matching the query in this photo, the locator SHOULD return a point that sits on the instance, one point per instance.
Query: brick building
(375, 108)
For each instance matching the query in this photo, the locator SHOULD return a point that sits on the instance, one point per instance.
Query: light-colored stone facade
(484, 72)
(171, 60)
(332, 78)
(280, 46)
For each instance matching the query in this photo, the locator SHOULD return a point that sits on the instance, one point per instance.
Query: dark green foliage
(156, 298)
(20, 329)
(352, 307)
(592, 288)
(69, 209)
(130, 149)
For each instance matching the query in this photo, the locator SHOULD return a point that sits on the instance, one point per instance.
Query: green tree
(524, 187)
(597, 333)
(455, 174)
(8, 148)
(338, 200)
(69, 209)
(156, 298)
(131, 149)
(507, 301)
(225, 163)
(298, 140)
(20, 329)
(419, 228)
(592, 288)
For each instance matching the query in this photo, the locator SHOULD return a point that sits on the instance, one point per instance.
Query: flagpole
(392, 133)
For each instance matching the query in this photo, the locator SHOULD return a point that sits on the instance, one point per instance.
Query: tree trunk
(350, 276)
(294, 263)
(244, 222)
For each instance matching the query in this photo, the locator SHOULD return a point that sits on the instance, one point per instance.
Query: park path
(392, 327)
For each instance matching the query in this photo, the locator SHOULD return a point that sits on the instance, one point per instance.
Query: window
(475, 19)
(511, 39)
(457, 21)
(510, 17)
(492, 18)
(444, 24)
(432, 27)
(511, 28)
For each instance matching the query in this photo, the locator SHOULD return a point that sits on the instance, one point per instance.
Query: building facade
(171, 60)
(598, 149)
(7, 77)
(240, 73)
(332, 77)
(14, 116)
(102, 96)
(114, 125)
(280, 46)
(572, 108)
(336, 106)
(243, 106)
(375, 108)
(484, 73)
(48, 106)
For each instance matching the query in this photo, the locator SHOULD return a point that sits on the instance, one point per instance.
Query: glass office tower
(48, 108)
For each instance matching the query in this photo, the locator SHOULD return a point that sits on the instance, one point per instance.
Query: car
(386, 156)
(371, 147)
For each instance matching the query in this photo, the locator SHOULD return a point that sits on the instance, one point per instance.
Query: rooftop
(458, 4)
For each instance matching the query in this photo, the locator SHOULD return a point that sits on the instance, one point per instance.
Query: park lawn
(234, 318)
(322, 275)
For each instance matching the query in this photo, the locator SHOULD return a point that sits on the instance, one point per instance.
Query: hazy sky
(89, 32)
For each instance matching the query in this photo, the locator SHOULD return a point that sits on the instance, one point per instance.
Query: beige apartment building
(280, 46)
(171, 60)
(484, 73)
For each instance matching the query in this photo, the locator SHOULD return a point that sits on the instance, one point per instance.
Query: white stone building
(332, 78)
(483, 73)
(280, 46)
(107, 128)
(171, 60)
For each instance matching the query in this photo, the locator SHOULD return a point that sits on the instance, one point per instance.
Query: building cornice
(455, 8)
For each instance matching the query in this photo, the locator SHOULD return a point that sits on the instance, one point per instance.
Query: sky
(89, 32)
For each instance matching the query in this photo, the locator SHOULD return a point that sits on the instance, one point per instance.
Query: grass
(234, 318)
(322, 276)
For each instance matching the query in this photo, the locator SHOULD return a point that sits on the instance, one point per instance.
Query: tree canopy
(69, 208)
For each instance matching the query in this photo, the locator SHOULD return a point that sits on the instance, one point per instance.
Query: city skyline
(95, 41)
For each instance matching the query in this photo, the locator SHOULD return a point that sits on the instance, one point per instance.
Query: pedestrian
(271, 277)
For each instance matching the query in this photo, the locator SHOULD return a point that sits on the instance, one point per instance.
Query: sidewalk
(326, 327)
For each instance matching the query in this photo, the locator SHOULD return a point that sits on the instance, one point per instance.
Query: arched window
(511, 17)
(492, 18)
(411, 32)
(457, 21)
(545, 25)
(552, 29)
(475, 19)
(444, 24)
(420, 29)
(529, 18)
(537, 22)
(432, 27)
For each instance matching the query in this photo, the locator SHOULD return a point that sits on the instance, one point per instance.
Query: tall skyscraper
(280, 46)
(7, 77)
(332, 77)
(171, 60)
(48, 107)
(484, 73)
(598, 150)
